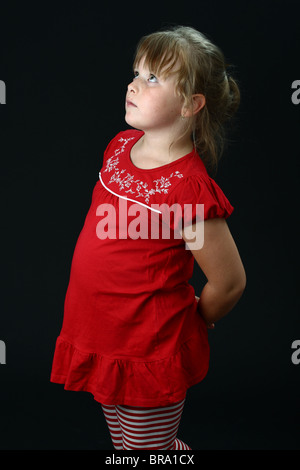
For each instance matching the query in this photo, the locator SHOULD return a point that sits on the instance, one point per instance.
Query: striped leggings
(136, 428)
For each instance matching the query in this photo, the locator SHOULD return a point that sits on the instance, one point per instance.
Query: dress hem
(124, 382)
(61, 380)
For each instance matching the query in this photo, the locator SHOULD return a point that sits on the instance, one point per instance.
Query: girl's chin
(127, 119)
(131, 122)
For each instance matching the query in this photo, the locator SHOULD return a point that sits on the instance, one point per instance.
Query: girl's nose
(131, 88)
(134, 85)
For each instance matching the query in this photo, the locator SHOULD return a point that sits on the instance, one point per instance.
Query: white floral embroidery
(136, 186)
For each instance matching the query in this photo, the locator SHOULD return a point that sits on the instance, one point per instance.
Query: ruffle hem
(126, 382)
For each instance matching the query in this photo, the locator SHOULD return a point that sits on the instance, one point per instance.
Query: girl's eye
(152, 78)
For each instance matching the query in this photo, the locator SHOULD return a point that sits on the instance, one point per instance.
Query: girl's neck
(159, 148)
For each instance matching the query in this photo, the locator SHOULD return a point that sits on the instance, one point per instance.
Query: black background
(66, 67)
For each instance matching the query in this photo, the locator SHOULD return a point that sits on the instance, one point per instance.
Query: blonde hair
(202, 70)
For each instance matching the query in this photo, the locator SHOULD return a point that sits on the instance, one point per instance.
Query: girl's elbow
(240, 284)
(242, 281)
(237, 284)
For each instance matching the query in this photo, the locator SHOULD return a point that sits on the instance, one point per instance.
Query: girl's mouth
(130, 103)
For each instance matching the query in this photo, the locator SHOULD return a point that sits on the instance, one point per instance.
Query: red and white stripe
(113, 426)
(136, 428)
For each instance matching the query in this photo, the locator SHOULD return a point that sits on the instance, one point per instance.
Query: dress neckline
(157, 168)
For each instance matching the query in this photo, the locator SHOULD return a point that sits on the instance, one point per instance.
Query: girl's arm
(220, 262)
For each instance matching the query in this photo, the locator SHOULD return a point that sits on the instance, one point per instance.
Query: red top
(131, 331)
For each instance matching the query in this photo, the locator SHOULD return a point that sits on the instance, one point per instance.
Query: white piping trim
(127, 198)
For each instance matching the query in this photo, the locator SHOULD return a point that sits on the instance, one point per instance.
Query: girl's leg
(113, 425)
(150, 428)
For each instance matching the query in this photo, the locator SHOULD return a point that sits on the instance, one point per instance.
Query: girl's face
(152, 102)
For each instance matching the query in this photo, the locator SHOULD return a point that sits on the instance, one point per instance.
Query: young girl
(134, 334)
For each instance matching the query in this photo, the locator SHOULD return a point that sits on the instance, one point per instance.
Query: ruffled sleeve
(198, 198)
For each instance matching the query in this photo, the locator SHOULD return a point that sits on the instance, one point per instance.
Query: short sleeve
(197, 198)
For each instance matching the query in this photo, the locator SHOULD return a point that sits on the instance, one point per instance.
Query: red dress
(131, 332)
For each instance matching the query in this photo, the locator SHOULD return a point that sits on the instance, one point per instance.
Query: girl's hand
(210, 326)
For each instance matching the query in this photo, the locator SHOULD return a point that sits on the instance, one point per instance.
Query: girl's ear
(198, 102)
